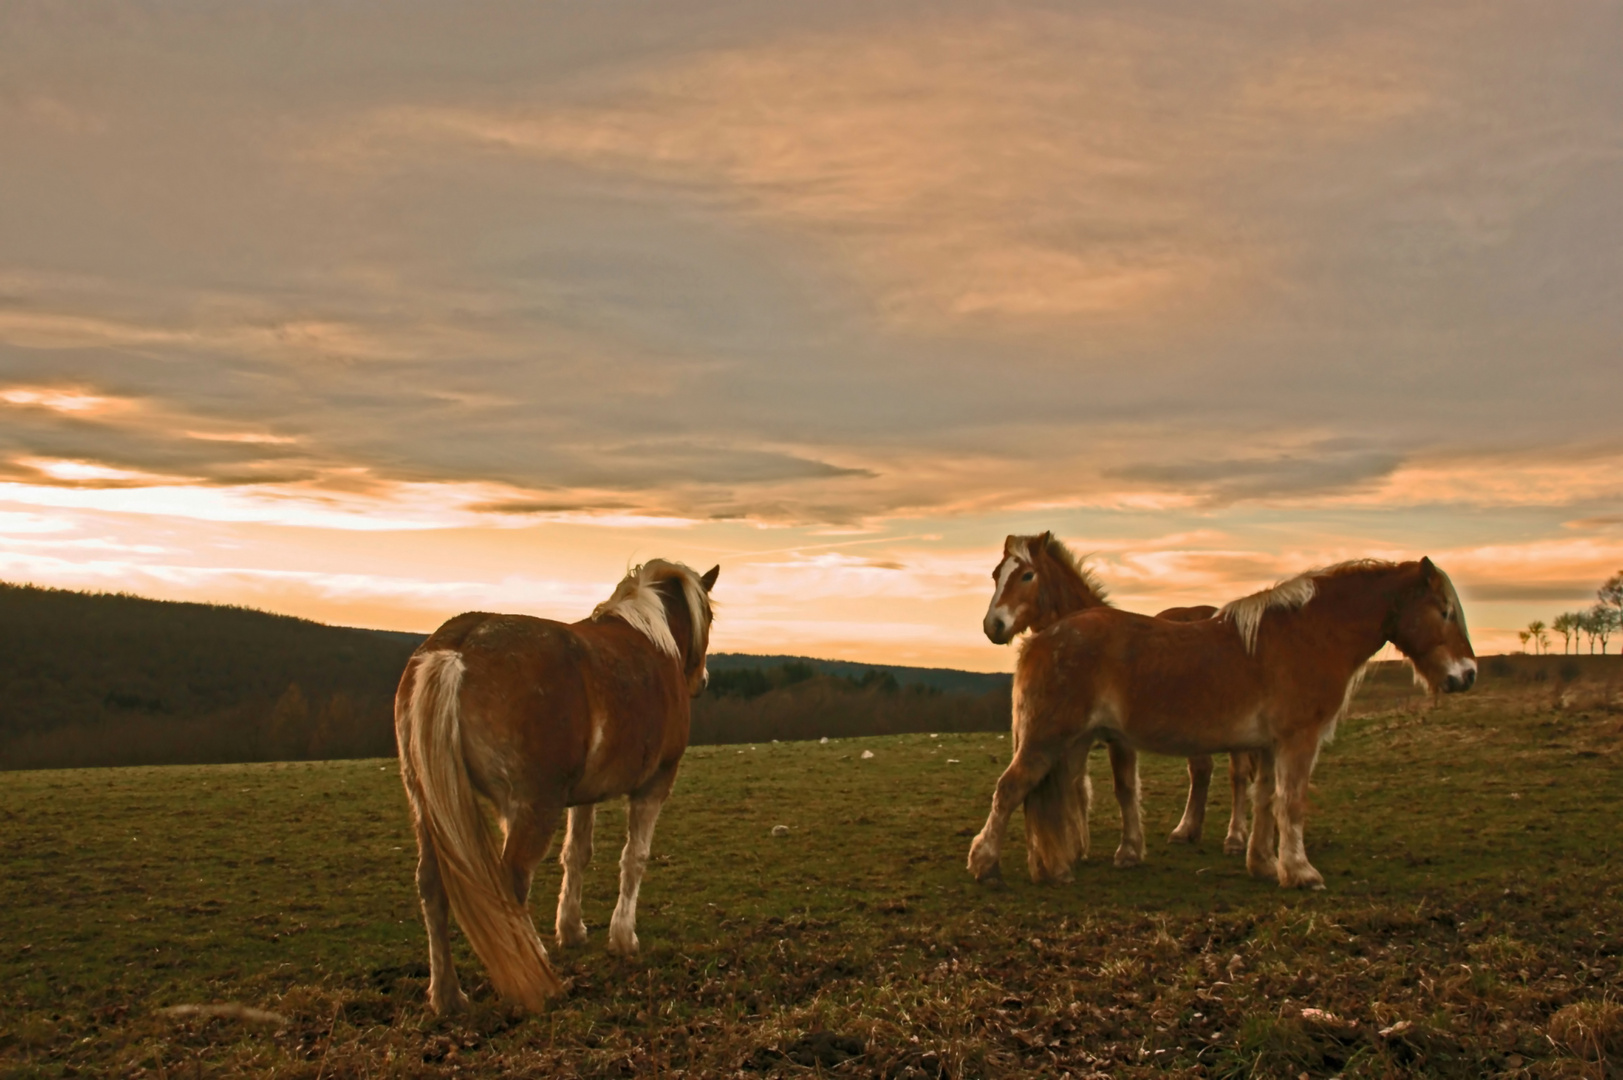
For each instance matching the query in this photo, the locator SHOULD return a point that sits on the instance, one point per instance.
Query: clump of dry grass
(1592, 1029)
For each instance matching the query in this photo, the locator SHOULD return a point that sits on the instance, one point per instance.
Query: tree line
(91, 679)
(1597, 623)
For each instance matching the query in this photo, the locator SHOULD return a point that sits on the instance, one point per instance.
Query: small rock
(780, 830)
(824, 739)
(866, 754)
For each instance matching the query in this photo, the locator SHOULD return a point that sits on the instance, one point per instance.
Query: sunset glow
(473, 312)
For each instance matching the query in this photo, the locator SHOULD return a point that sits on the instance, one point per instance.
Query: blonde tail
(499, 929)
(1057, 817)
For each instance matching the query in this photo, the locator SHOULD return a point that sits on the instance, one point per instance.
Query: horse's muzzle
(1458, 681)
(996, 631)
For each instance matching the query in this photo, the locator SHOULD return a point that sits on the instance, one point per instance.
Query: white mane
(637, 600)
(1247, 611)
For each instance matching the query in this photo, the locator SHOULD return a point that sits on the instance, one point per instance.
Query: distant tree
(1611, 595)
(1524, 636)
(1604, 619)
(1586, 626)
(1565, 624)
(1541, 640)
(288, 732)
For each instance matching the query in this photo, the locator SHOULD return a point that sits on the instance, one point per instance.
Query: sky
(374, 314)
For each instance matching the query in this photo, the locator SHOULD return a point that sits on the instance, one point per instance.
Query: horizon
(373, 315)
(1387, 654)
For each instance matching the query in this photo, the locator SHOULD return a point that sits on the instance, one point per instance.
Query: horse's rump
(1167, 687)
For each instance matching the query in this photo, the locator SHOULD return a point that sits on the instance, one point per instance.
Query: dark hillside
(946, 679)
(94, 679)
(103, 679)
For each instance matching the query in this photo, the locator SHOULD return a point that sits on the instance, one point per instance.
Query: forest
(90, 679)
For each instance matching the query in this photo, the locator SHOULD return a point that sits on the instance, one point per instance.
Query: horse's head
(1014, 589)
(1427, 624)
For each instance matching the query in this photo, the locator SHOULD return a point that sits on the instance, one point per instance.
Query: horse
(1272, 673)
(1037, 583)
(541, 718)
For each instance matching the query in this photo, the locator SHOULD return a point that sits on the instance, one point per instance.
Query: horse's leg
(1260, 854)
(1024, 773)
(529, 835)
(577, 853)
(1294, 766)
(1242, 766)
(1194, 811)
(444, 993)
(642, 811)
(1124, 770)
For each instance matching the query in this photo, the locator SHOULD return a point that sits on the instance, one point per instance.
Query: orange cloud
(1022, 168)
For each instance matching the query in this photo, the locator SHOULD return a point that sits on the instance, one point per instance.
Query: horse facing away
(1273, 673)
(543, 718)
(1037, 583)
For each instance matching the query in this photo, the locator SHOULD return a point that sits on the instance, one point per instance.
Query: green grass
(1472, 924)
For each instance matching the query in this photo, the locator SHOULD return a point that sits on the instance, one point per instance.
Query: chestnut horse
(1273, 673)
(540, 718)
(1037, 583)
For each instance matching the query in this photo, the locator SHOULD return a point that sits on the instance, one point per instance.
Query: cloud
(1024, 166)
(1313, 472)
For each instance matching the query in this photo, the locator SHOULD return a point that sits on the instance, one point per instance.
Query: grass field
(1471, 926)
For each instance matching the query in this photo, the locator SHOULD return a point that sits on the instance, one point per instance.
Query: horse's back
(590, 708)
(1164, 684)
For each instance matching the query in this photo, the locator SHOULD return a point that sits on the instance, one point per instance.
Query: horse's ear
(1428, 569)
(709, 580)
(1008, 544)
(1044, 540)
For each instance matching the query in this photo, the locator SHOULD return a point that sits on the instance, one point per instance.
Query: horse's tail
(429, 729)
(1057, 817)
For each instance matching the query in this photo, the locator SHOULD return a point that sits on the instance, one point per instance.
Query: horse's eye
(1028, 575)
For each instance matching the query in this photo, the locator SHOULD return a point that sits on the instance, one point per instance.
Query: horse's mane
(1246, 612)
(637, 600)
(1075, 567)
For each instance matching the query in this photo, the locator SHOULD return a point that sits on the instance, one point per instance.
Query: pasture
(1472, 926)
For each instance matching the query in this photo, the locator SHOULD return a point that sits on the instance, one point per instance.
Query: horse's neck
(1062, 593)
(680, 621)
(1355, 609)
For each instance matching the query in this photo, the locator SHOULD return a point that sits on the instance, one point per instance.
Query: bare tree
(1604, 620)
(1611, 596)
(1565, 624)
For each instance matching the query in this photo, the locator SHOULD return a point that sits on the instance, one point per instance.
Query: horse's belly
(1187, 732)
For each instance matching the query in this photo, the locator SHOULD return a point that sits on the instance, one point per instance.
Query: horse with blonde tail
(1037, 583)
(1272, 673)
(542, 719)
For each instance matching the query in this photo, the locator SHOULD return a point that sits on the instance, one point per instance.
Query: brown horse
(540, 718)
(1037, 583)
(1272, 673)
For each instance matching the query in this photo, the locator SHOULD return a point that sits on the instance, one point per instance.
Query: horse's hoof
(1181, 835)
(1301, 879)
(1234, 845)
(992, 877)
(623, 944)
(571, 936)
(1125, 858)
(448, 1004)
(1260, 869)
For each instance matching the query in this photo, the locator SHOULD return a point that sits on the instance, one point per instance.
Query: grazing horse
(540, 718)
(1037, 583)
(1273, 673)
